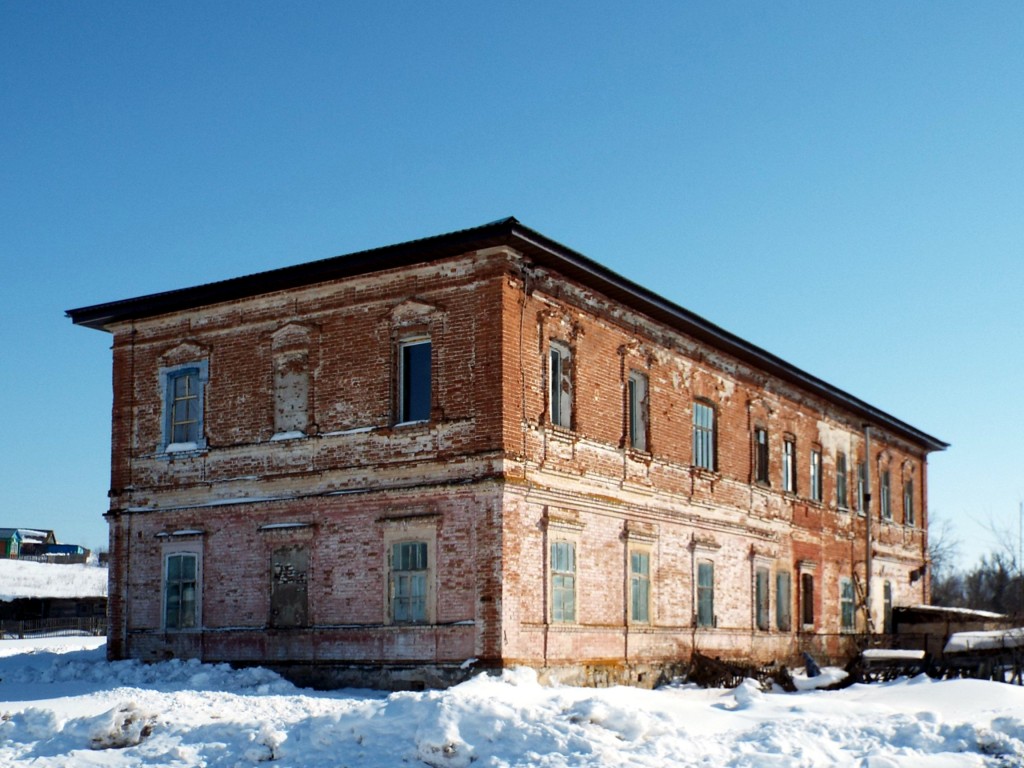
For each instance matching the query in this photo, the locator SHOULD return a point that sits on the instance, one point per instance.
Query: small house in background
(35, 540)
(10, 543)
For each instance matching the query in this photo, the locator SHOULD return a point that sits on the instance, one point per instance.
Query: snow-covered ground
(24, 578)
(63, 704)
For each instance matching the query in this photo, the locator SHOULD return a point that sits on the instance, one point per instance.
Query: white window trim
(181, 548)
(167, 373)
(404, 343)
(398, 531)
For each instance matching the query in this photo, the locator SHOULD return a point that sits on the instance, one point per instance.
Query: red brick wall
(493, 477)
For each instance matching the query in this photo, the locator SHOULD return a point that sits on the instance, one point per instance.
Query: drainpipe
(867, 532)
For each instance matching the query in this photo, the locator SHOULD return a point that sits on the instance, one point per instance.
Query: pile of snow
(26, 578)
(988, 640)
(66, 705)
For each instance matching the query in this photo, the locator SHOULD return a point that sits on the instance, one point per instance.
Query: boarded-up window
(783, 601)
(762, 599)
(289, 587)
(291, 392)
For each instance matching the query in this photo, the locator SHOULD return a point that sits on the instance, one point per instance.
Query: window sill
(283, 436)
(182, 450)
(417, 423)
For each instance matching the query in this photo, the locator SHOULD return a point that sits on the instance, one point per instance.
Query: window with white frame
(637, 410)
(909, 518)
(705, 593)
(789, 465)
(181, 590)
(410, 582)
(183, 390)
(762, 598)
(816, 478)
(842, 499)
(884, 495)
(414, 380)
(563, 581)
(703, 435)
(560, 384)
(640, 586)
(783, 601)
(761, 474)
(847, 614)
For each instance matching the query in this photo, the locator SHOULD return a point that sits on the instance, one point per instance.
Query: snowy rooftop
(25, 578)
(965, 612)
(995, 639)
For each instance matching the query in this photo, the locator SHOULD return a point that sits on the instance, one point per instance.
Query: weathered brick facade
(310, 523)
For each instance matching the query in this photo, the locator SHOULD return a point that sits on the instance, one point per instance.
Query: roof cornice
(543, 251)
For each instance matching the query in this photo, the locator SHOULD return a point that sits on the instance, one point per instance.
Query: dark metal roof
(543, 251)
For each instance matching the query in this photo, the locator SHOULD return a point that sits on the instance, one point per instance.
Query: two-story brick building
(483, 445)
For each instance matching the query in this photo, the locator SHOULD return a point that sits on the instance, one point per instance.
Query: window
(884, 497)
(846, 606)
(409, 585)
(789, 465)
(861, 488)
(705, 594)
(637, 410)
(703, 436)
(640, 586)
(816, 484)
(783, 601)
(563, 581)
(414, 380)
(762, 599)
(560, 383)
(181, 579)
(807, 600)
(887, 607)
(842, 500)
(908, 502)
(761, 456)
(183, 406)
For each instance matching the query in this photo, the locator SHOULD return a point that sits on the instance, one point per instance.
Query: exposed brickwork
(487, 482)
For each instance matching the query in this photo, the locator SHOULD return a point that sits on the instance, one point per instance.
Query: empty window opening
(414, 380)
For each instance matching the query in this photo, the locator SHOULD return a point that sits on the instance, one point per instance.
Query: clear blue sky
(840, 183)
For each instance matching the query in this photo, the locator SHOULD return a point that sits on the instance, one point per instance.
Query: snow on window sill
(181, 447)
(293, 435)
